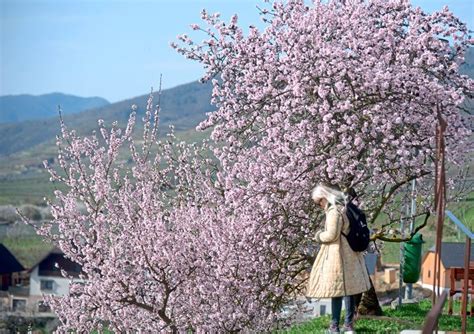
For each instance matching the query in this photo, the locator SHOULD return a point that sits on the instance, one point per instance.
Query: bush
(46, 213)
(31, 212)
(8, 214)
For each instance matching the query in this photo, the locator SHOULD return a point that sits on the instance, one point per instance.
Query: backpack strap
(342, 261)
(343, 214)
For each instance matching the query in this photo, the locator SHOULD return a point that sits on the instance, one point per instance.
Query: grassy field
(408, 317)
(463, 210)
(23, 179)
(30, 189)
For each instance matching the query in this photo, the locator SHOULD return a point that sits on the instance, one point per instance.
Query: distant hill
(183, 106)
(18, 108)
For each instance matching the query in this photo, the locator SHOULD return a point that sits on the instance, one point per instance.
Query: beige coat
(337, 270)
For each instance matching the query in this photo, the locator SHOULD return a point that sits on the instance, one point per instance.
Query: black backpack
(359, 234)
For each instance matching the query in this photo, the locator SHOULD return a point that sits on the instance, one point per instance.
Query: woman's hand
(316, 236)
(333, 227)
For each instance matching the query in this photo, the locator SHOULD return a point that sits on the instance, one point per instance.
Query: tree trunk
(367, 303)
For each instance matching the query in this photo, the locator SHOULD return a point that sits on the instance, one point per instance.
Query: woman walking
(338, 271)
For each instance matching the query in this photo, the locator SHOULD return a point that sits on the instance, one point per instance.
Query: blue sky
(115, 49)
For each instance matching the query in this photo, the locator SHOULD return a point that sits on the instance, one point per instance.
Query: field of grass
(30, 189)
(464, 211)
(23, 179)
(411, 316)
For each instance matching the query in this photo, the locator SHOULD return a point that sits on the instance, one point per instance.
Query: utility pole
(403, 216)
(409, 294)
(402, 261)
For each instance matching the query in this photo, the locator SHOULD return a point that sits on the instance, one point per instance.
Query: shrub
(46, 213)
(31, 212)
(8, 214)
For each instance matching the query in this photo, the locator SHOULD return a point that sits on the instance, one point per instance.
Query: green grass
(23, 179)
(410, 316)
(416, 313)
(319, 325)
(30, 189)
(463, 210)
(391, 250)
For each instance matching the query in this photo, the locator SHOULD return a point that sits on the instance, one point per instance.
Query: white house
(44, 278)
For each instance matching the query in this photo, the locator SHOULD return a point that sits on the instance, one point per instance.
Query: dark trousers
(336, 306)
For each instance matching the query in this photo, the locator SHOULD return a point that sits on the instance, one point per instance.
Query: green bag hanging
(412, 257)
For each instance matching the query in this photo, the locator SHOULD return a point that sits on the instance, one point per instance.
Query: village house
(452, 256)
(46, 278)
(9, 268)
(43, 278)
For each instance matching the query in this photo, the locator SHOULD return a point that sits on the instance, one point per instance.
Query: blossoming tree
(159, 248)
(135, 242)
(342, 92)
(346, 92)
(217, 237)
